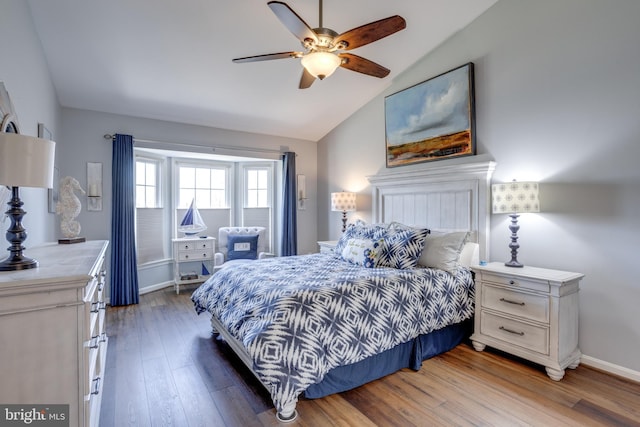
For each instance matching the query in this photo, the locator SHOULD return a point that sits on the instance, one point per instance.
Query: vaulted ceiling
(171, 60)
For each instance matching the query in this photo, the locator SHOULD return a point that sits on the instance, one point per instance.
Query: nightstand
(528, 312)
(327, 246)
(189, 250)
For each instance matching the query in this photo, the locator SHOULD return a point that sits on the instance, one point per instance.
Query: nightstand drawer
(517, 282)
(534, 307)
(195, 255)
(512, 332)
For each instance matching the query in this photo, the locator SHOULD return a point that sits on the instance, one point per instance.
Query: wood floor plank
(199, 407)
(167, 408)
(164, 367)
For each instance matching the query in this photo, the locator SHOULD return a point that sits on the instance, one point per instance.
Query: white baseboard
(155, 287)
(621, 371)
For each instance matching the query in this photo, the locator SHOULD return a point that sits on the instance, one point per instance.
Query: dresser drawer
(529, 306)
(513, 332)
(517, 282)
(195, 255)
(191, 245)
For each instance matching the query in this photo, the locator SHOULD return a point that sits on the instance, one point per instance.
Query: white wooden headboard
(439, 197)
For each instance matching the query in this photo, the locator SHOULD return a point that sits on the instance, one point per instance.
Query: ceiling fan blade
(361, 65)
(371, 32)
(268, 56)
(306, 80)
(292, 21)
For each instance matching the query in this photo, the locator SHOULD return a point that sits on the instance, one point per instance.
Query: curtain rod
(209, 147)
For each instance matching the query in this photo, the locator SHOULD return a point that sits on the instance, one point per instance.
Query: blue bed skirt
(406, 355)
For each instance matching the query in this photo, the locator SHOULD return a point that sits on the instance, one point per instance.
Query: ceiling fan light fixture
(321, 64)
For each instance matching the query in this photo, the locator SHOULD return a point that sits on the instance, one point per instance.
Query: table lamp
(25, 161)
(515, 198)
(344, 202)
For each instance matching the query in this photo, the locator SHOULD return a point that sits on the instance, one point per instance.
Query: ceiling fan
(324, 49)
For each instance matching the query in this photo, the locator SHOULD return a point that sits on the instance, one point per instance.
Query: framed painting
(432, 120)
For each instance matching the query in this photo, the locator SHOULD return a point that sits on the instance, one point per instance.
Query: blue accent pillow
(242, 246)
(402, 248)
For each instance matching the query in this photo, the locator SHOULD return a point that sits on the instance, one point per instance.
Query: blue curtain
(124, 271)
(289, 244)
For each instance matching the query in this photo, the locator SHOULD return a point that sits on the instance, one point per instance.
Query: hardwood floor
(165, 369)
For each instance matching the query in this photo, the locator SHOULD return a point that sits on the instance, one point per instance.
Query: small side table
(327, 246)
(528, 312)
(188, 250)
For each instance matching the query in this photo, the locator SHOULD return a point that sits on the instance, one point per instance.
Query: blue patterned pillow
(242, 246)
(364, 252)
(360, 230)
(402, 248)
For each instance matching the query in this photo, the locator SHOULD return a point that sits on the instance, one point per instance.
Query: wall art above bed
(432, 120)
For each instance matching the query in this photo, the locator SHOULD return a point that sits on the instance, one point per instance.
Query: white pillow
(442, 250)
(364, 252)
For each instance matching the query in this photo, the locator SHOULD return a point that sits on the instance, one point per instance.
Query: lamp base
(513, 263)
(13, 263)
(514, 246)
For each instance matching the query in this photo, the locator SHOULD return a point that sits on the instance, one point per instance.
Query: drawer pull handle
(94, 307)
(512, 282)
(511, 331)
(94, 342)
(186, 256)
(96, 386)
(508, 301)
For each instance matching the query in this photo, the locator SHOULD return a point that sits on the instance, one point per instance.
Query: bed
(386, 299)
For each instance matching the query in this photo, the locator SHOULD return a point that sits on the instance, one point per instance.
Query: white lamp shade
(515, 197)
(321, 64)
(343, 201)
(26, 161)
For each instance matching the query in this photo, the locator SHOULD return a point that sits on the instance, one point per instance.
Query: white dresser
(53, 344)
(190, 250)
(529, 312)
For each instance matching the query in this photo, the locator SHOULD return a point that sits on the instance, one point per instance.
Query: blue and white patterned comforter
(300, 316)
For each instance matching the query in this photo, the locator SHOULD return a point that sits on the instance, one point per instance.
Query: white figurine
(69, 207)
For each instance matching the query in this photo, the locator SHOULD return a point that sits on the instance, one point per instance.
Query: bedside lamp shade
(344, 202)
(25, 161)
(515, 198)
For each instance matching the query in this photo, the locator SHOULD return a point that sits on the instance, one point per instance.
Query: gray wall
(557, 100)
(24, 72)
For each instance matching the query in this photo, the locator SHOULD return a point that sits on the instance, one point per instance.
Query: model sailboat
(192, 222)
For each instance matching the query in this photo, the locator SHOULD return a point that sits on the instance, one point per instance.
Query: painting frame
(432, 120)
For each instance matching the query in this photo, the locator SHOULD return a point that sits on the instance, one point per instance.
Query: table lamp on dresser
(25, 161)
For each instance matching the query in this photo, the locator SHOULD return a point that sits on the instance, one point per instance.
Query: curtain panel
(124, 272)
(289, 242)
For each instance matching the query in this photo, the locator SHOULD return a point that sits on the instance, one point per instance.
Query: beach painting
(432, 120)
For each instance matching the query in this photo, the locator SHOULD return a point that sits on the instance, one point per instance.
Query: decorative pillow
(364, 252)
(402, 248)
(360, 230)
(442, 250)
(242, 246)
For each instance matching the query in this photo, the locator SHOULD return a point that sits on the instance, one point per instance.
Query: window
(257, 187)
(150, 222)
(206, 184)
(147, 180)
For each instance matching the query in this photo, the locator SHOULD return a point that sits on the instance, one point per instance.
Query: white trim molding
(611, 368)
